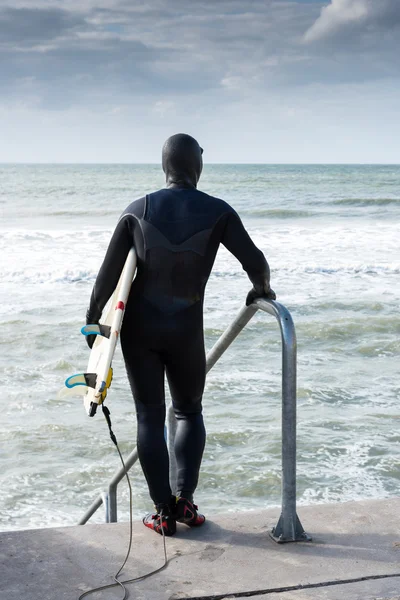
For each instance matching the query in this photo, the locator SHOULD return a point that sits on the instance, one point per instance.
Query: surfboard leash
(118, 582)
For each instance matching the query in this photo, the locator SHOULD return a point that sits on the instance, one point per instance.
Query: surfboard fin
(75, 391)
(87, 379)
(97, 329)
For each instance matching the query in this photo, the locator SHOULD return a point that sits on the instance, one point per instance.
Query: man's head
(182, 160)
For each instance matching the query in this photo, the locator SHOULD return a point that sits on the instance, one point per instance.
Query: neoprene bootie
(163, 520)
(186, 512)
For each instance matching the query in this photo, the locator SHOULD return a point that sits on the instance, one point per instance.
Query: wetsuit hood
(182, 161)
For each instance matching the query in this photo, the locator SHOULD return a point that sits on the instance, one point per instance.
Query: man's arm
(237, 240)
(110, 271)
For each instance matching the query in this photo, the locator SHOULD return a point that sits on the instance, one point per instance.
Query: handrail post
(111, 506)
(106, 503)
(112, 486)
(288, 528)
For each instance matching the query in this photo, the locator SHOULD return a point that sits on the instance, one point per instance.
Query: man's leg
(145, 371)
(146, 376)
(186, 377)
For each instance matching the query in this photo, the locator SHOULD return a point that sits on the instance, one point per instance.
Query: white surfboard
(93, 384)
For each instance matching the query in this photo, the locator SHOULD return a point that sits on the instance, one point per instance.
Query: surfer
(176, 232)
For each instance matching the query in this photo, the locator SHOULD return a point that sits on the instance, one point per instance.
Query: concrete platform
(228, 556)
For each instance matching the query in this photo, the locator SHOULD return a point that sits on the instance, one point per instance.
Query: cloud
(29, 26)
(107, 53)
(87, 51)
(343, 16)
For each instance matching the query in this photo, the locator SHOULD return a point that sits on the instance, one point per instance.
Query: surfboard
(94, 383)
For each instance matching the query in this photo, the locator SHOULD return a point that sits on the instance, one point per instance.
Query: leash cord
(118, 582)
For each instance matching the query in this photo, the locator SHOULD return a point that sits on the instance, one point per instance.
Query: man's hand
(268, 294)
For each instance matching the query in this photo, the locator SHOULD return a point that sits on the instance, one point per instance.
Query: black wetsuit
(176, 233)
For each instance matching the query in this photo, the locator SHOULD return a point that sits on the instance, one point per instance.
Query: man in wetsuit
(176, 233)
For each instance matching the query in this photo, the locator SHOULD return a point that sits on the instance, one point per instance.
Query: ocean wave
(41, 277)
(357, 331)
(279, 213)
(88, 214)
(350, 270)
(68, 276)
(366, 201)
(52, 234)
(385, 348)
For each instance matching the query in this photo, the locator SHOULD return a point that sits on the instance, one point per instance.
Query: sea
(331, 236)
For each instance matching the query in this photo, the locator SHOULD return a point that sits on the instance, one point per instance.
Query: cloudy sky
(253, 80)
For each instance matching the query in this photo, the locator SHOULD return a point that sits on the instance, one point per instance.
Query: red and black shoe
(186, 512)
(161, 522)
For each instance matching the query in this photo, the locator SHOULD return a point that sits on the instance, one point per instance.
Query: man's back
(176, 233)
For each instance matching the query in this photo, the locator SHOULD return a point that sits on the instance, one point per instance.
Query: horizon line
(87, 163)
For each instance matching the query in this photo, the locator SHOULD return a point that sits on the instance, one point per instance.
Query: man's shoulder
(202, 198)
(135, 208)
(220, 204)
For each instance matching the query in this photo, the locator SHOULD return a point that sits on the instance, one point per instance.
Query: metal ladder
(288, 528)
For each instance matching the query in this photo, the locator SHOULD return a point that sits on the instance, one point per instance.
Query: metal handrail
(288, 528)
(109, 498)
